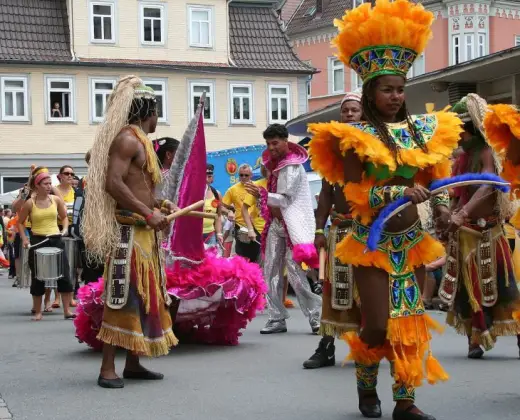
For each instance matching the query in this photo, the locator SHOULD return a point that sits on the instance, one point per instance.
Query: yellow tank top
(209, 224)
(45, 221)
(69, 197)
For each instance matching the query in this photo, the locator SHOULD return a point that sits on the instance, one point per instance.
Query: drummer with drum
(48, 262)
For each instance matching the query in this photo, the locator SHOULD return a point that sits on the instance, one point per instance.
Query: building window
(455, 49)
(470, 45)
(517, 40)
(14, 102)
(357, 3)
(418, 68)
(196, 89)
(159, 86)
(100, 91)
(309, 89)
(102, 21)
(481, 51)
(200, 26)
(336, 76)
(355, 82)
(279, 104)
(241, 103)
(60, 98)
(152, 24)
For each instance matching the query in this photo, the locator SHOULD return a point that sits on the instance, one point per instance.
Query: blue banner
(227, 161)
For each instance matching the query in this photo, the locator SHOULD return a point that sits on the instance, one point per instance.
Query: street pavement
(46, 374)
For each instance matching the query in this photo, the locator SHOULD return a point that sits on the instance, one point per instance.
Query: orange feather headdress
(385, 39)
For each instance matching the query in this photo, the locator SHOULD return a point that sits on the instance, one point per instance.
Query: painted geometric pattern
(381, 60)
(405, 297)
(425, 126)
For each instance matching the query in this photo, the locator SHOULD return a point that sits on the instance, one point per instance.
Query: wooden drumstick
(203, 215)
(323, 257)
(185, 210)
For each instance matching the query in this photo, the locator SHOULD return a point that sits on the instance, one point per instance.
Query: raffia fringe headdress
(99, 225)
(383, 40)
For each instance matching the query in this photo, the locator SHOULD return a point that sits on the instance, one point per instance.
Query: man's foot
(73, 303)
(475, 352)
(37, 317)
(410, 413)
(323, 356)
(70, 315)
(288, 303)
(143, 374)
(369, 404)
(114, 383)
(15, 283)
(315, 325)
(56, 305)
(274, 327)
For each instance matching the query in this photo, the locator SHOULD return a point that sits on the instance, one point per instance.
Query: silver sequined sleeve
(287, 187)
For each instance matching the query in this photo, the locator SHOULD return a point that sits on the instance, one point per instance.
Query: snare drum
(71, 251)
(49, 266)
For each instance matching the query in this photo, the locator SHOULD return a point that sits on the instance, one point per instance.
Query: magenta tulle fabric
(89, 314)
(218, 298)
(306, 253)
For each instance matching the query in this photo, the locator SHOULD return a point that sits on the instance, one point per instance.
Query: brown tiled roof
(333, 9)
(257, 41)
(289, 7)
(34, 30)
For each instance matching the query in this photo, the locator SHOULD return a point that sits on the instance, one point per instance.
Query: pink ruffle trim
(306, 253)
(89, 314)
(217, 321)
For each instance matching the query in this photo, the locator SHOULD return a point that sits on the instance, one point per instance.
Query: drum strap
(118, 272)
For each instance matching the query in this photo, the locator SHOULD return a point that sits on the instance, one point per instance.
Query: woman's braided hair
(372, 116)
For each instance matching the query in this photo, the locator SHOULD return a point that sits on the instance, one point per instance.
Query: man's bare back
(128, 182)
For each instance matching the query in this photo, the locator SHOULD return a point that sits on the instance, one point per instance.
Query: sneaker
(323, 356)
(315, 325)
(274, 327)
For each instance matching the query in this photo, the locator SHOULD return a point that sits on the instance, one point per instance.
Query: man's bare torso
(137, 178)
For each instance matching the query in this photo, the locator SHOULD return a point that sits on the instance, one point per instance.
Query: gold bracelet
(319, 232)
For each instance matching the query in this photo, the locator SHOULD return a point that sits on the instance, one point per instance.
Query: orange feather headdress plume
(385, 39)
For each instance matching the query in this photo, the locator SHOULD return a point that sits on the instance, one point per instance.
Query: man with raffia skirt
(479, 282)
(339, 312)
(122, 220)
(389, 155)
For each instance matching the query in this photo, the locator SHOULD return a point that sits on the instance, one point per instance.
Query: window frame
(250, 95)
(164, 93)
(211, 14)
(112, 5)
(481, 36)
(48, 79)
(355, 81)
(211, 95)
(333, 67)
(14, 77)
(357, 3)
(413, 69)
(517, 40)
(92, 92)
(470, 36)
(456, 49)
(146, 5)
(274, 85)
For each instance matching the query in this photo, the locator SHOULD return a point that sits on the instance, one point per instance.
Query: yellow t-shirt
(254, 211)
(209, 224)
(235, 196)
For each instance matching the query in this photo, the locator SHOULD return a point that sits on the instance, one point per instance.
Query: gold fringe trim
(136, 344)
(487, 338)
(336, 330)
